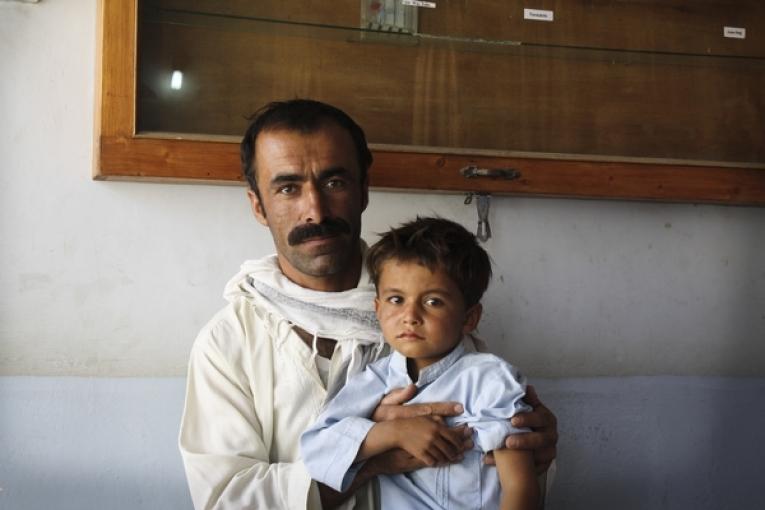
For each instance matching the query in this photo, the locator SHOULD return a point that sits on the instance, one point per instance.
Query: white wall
(113, 279)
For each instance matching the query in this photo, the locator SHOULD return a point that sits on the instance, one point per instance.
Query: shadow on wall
(742, 309)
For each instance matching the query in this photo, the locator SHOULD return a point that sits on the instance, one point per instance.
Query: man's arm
(222, 441)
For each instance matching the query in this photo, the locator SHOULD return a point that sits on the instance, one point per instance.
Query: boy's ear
(472, 317)
(377, 304)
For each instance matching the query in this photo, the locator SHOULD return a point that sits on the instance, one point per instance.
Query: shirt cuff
(341, 470)
(490, 435)
(301, 491)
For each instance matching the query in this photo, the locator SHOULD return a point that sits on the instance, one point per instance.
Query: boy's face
(422, 313)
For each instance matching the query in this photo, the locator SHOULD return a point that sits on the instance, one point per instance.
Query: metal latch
(472, 171)
(482, 205)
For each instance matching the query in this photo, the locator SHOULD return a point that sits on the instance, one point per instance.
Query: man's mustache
(328, 227)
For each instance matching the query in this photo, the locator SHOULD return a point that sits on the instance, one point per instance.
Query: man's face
(311, 199)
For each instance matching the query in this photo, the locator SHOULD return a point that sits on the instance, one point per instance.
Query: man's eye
(287, 189)
(335, 184)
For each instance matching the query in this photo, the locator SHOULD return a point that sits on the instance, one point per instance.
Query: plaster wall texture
(116, 278)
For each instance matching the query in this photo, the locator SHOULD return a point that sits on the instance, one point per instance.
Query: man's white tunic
(252, 389)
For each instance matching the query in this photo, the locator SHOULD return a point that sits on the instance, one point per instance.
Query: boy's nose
(412, 315)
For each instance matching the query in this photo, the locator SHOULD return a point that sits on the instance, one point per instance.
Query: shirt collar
(432, 372)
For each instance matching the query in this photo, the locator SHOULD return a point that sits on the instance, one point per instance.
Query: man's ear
(365, 193)
(257, 207)
(472, 318)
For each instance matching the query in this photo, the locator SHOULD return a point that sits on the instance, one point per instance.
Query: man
(297, 325)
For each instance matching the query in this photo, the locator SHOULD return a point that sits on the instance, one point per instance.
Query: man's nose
(315, 204)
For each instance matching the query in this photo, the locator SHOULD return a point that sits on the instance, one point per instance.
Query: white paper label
(734, 32)
(418, 3)
(537, 14)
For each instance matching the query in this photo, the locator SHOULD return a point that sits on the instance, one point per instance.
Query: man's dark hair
(435, 243)
(305, 116)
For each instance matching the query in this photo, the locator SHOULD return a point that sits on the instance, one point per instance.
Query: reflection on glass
(176, 80)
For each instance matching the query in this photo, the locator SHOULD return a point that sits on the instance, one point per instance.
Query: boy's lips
(409, 335)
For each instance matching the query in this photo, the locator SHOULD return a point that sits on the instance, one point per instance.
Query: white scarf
(347, 317)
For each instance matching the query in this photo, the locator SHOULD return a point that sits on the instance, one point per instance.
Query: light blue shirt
(490, 391)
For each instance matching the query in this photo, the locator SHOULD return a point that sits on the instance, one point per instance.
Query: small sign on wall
(419, 3)
(538, 15)
(734, 32)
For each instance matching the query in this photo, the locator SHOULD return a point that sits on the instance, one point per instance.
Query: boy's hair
(435, 243)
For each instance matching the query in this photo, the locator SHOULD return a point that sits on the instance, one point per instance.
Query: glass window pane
(429, 80)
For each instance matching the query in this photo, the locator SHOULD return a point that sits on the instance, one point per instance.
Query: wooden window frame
(122, 154)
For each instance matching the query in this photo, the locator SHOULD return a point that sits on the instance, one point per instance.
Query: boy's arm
(543, 438)
(384, 448)
(390, 462)
(329, 447)
(517, 477)
(426, 438)
(380, 438)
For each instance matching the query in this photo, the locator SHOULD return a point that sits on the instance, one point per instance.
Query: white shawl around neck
(347, 317)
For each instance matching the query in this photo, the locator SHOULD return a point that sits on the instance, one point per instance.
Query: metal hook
(483, 201)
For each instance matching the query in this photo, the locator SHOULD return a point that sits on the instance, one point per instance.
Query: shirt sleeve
(221, 440)
(329, 447)
(499, 393)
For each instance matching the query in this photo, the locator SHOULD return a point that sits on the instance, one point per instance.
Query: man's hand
(543, 438)
(391, 406)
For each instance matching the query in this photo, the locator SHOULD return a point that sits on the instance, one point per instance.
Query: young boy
(430, 275)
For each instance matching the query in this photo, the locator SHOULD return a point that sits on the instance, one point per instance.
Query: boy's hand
(429, 440)
(391, 406)
(392, 462)
(543, 438)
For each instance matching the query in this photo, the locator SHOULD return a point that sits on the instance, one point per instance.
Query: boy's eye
(395, 300)
(434, 301)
